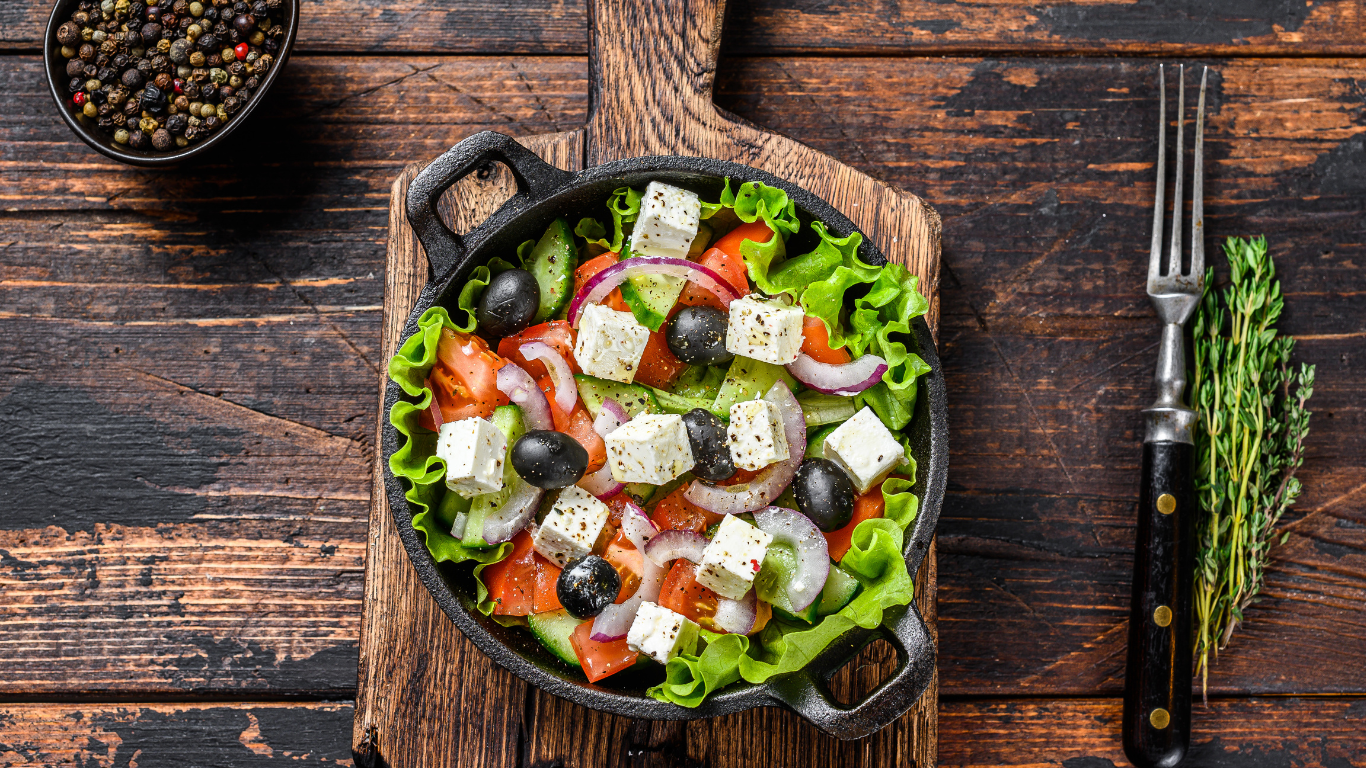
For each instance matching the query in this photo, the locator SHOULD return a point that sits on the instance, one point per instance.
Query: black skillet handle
(1157, 676)
(807, 694)
(535, 177)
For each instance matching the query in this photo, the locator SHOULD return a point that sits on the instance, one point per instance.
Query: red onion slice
(768, 484)
(846, 379)
(433, 408)
(615, 620)
(671, 545)
(737, 616)
(517, 384)
(601, 284)
(601, 483)
(514, 515)
(566, 391)
(796, 530)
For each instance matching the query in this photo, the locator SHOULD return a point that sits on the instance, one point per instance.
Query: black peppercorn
(75, 68)
(221, 28)
(271, 46)
(145, 67)
(81, 17)
(251, 83)
(153, 100)
(231, 105)
(207, 42)
(163, 81)
(225, 92)
(191, 90)
(119, 119)
(107, 75)
(69, 33)
(208, 93)
(138, 140)
(259, 8)
(213, 60)
(151, 31)
(86, 52)
(237, 68)
(244, 23)
(162, 140)
(192, 133)
(99, 98)
(130, 108)
(177, 124)
(211, 123)
(240, 7)
(169, 21)
(119, 61)
(136, 10)
(105, 123)
(211, 14)
(161, 63)
(76, 84)
(132, 39)
(133, 79)
(89, 70)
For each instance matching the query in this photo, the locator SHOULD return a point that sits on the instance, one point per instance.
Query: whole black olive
(549, 459)
(710, 446)
(509, 304)
(697, 336)
(824, 493)
(588, 585)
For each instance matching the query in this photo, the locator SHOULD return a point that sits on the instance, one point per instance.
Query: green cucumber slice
(635, 398)
(672, 403)
(839, 589)
(815, 441)
(554, 629)
(819, 408)
(650, 297)
(552, 263)
(700, 381)
(748, 379)
(508, 420)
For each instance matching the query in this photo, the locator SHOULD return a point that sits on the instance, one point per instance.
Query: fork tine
(1155, 257)
(1174, 263)
(1198, 188)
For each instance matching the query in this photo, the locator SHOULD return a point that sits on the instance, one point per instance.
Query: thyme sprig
(1250, 442)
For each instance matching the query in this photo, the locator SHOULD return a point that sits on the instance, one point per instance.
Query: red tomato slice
(732, 270)
(617, 506)
(682, 594)
(816, 343)
(674, 512)
(512, 581)
(600, 660)
(658, 367)
(866, 507)
(628, 562)
(557, 333)
(545, 598)
(464, 378)
(730, 243)
(578, 425)
(592, 267)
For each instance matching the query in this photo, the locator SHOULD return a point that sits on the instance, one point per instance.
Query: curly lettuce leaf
(415, 463)
(624, 207)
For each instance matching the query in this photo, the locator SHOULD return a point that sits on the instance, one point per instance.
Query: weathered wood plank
(774, 27)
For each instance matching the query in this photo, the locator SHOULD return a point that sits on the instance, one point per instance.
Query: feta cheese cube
(764, 331)
(667, 222)
(756, 434)
(571, 526)
(733, 558)
(473, 450)
(660, 633)
(864, 448)
(610, 343)
(651, 448)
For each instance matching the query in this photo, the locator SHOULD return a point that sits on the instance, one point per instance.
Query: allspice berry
(161, 140)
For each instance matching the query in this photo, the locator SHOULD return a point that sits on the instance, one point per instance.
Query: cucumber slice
(508, 420)
(552, 263)
(819, 408)
(815, 440)
(771, 584)
(554, 629)
(700, 381)
(672, 403)
(748, 379)
(642, 491)
(650, 297)
(839, 589)
(635, 398)
(700, 243)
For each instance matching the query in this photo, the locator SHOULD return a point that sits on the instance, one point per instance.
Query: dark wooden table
(188, 359)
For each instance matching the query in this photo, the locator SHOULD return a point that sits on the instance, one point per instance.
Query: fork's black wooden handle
(1157, 677)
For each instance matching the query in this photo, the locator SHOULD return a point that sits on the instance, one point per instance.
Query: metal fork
(1157, 680)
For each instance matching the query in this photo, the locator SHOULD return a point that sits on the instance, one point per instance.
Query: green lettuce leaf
(624, 207)
(415, 463)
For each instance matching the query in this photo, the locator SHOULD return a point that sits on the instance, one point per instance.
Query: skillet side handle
(807, 694)
(445, 249)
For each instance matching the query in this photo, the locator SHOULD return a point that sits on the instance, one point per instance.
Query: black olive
(697, 336)
(710, 446)
(824, 493)
(509, 303)
(588, 585)
(549, 459)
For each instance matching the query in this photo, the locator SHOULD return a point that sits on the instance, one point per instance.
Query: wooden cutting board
(427, 696)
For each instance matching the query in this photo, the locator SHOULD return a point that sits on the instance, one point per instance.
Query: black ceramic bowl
(103, 142)
(544, 193)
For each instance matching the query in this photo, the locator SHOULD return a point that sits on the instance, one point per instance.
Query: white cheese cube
(473, 450)
(864, 448)
(651, 448)
(660, 633)
(764, 331)
(667, 222)
(610, 343)
(732, 558)
(571, 526)
(756, 434)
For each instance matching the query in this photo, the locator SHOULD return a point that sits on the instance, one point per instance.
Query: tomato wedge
(464, 378)
(866, 507)
(674, 512)
(559, 334)
(816, 343)
(628, 562)
(658, 367)
(545, 598)
(757, 231)
(577, 424)
(732, 270)
(600, 660)
(592, 267)
(682, 594)
(512, 581)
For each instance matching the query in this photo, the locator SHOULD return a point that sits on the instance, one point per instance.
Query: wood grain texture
(767, 27)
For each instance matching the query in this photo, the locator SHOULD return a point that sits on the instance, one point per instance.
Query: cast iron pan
(545, 192)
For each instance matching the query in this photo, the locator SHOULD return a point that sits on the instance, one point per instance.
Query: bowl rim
(109, 148)
(738, 696)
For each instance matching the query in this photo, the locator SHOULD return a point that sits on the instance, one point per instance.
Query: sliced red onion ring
(601, 483)
(768, 484)
(846, 379)
(796, 530)
(517, 384)
(615, 620)
(737, 616)
(513, 516)
(671, 545)
(566, 391)
(432, 407)
(601, 284)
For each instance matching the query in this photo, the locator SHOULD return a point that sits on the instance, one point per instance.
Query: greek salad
(664, 437)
